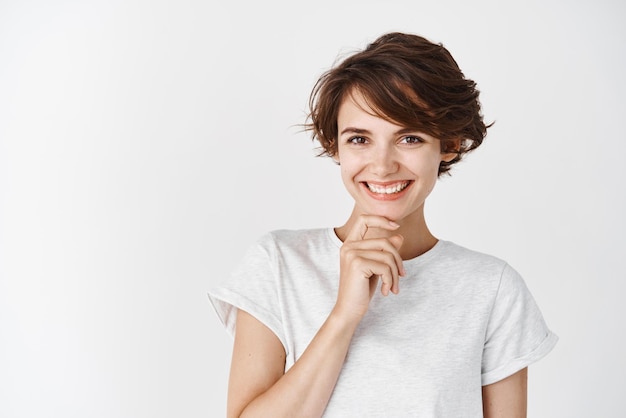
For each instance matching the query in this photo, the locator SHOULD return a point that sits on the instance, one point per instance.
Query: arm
(506, 398)
(258, 386)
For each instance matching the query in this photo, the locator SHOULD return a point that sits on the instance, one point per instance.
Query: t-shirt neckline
(420, 259)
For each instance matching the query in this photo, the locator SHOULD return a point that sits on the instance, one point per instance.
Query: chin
(397, 214)
(392, 215)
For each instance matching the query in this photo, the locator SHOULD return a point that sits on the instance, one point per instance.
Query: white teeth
(389, 189)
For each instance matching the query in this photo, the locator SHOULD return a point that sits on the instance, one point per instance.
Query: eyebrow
(352, 130)
(360, 131)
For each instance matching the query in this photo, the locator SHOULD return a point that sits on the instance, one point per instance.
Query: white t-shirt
(462, 319)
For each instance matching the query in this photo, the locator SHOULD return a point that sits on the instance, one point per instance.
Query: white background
(145, 144)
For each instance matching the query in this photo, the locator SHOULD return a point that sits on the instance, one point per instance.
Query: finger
(381, 271)
(396, 241)
(364, 222)
(391, 283)
(387, 283)
(390, 245)
(383, 265)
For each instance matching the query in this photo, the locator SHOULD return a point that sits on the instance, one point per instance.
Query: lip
(387, 196)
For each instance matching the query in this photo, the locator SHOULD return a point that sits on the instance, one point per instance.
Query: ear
(450, 149)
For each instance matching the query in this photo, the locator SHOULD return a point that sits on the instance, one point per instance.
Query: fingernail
(392, 223)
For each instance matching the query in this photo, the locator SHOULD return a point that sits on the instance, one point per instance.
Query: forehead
(356, 111)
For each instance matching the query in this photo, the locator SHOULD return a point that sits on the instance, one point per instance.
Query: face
(388, 169)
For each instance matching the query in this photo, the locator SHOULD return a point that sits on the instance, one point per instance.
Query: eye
(357, 140)
(412, 139)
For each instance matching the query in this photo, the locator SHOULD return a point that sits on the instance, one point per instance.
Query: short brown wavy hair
(408, 80)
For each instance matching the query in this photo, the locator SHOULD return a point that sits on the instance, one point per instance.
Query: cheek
(431, 183)
(428, 165)
(428, 172)
(347, 176)
(349, 168)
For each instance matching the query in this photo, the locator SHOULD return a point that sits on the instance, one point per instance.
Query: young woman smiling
(452, 331)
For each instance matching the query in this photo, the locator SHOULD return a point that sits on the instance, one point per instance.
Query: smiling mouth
(388, 189)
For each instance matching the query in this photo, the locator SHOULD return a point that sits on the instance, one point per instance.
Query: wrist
(345, 319)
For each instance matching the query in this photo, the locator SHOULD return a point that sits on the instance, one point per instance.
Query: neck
(417, 237)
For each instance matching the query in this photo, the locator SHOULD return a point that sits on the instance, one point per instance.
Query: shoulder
(295, 235)
(298, 240)
(469, 259)
(481, 271)
(495, 273)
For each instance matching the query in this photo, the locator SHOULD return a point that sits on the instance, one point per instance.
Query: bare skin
(383, 229)
(506, 398)
(258, 387)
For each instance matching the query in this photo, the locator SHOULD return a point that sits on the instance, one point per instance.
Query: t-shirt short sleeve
(251, 287)
(517, 334)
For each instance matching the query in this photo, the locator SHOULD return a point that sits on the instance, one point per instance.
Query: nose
(384, 161)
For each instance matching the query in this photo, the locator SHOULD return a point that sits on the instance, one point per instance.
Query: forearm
(259, 387)
(305, 389)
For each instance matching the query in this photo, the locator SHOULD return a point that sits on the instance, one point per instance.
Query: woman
(451, 333)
